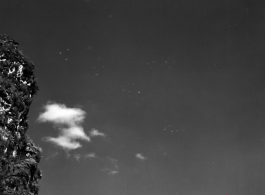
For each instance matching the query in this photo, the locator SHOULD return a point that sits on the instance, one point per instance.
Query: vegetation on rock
(19, 157)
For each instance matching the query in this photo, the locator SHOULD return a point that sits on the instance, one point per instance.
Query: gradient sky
(174, 88)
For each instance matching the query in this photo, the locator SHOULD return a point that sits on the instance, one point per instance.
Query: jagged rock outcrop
(19, 157)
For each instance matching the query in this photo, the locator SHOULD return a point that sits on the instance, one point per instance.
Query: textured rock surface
(19, 157)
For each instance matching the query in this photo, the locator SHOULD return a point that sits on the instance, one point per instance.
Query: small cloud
(90, 155)
(77, 157)
(95, 132)
(110, 171)
(52, 155)
(113, 162)
(112, 167)
(68, 122)
(140, 156)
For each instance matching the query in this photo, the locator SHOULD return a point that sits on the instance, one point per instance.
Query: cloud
(68, 122)
(95, 132)
(110, 171)
(52, 155)
(113, 162)
(77, 157)
(112, 166)
(60, 114)
(113, 172)
(90, 155)
(140, 156)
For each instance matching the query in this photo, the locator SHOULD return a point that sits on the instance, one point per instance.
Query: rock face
(19, 157)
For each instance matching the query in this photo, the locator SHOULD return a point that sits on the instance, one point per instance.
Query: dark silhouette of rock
(19, 157)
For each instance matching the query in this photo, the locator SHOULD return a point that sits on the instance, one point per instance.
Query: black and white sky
(145, 97)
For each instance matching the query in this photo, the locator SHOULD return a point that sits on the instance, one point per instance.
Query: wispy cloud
(90, 155)
(113, 172)
(52, 155)
(140, 156)
(77, 157)
(95, 132)
(68, 122)
(110, 171)
(113, 162)
(112, 168)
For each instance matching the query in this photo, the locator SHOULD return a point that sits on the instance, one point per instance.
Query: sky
(145, 97)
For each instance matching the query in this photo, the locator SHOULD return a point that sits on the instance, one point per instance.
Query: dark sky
(174, 88)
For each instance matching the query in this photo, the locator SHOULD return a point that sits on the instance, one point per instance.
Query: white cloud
(90, 155)
(95, 132)
(112, 167)
(110, 171)
(68, 122)
(113, 162)
(77, 157)
(60, 114)
(52, 155)
(140, 156)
